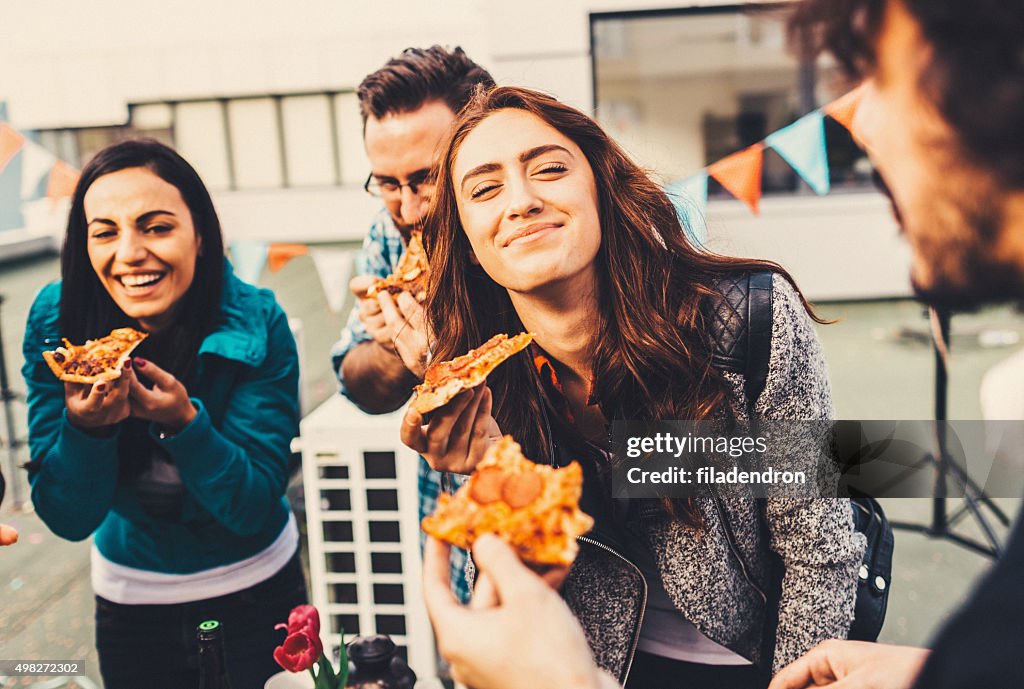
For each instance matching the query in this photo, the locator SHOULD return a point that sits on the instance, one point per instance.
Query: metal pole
(7, 398)
(940, 521)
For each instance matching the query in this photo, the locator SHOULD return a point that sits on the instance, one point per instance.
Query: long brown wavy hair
(652, 356)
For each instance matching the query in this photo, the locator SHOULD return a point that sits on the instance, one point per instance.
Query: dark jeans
(154, 646)
(654, 672)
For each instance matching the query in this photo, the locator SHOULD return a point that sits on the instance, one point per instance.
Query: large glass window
(266, 142)
(683, 89)
(255, 143)
(201, 138)
(309, 143)
(348, 125)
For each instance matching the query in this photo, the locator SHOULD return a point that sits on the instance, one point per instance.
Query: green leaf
(325, 678)
(343, 661)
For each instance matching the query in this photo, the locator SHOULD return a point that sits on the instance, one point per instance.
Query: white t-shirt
(664, 631)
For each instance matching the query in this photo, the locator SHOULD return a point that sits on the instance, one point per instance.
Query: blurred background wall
(259, 96)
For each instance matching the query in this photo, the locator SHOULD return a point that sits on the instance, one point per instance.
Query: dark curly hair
(975, 77)
(418, 76)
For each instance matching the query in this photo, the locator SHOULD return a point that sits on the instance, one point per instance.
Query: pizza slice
(532, 507)
(96, 360)
(446, 379)
(410, 274)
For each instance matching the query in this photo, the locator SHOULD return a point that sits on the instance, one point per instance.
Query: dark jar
(374, 663)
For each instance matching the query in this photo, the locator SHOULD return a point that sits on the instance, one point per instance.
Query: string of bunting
(801, 144)
(38, 171)
(334, 266)
(29, 173)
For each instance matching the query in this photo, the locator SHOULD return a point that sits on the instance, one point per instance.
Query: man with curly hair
(942, 117)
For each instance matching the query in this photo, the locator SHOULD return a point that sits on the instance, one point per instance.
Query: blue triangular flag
(802, 145)
(249, 257)
(690, 197)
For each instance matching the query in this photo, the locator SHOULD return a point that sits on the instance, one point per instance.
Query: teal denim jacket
(232, 458)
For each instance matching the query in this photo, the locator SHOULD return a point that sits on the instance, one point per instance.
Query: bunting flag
(63, 179)
(335, 268)
(249, 257)
(802, 145)
(36, 163)
(279, 254)
(843, 109)
(740, 174)
(690, 198)
(11, 142)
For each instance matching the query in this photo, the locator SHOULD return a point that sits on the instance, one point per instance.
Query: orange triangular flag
(279, 255)
(63, 179)
(11, 142)
(843, 109)
(740, 174)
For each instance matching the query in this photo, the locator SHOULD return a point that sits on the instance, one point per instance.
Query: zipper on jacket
(731, 540)
(643, 602)
(552, 459)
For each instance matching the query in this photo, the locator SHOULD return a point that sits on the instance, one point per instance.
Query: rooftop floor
(881, 368)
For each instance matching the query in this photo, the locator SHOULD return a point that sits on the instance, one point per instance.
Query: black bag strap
(741, 331)
(740, 324)
(740, 320)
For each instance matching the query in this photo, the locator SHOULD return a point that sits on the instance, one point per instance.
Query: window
(255, 143)
(77, 146)
(348, 124)
(685, 88)
(308, 140)
(247, 143)
(155, 121)
(200, 137)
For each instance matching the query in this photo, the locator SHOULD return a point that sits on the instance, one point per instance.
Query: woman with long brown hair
(541, 223)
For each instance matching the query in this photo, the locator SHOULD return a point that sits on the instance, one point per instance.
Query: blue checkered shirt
(382, 248)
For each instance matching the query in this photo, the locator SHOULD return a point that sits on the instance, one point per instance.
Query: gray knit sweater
(815, 538)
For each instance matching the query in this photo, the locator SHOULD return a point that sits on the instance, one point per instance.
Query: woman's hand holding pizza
(457, 434)
(166, 404)
(96, 406)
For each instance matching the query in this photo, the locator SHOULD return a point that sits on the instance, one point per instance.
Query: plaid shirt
(382, 248)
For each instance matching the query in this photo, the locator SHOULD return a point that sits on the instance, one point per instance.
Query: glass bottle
(213, 670)
(374, 663)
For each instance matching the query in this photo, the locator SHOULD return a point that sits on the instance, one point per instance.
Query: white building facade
(259, 96)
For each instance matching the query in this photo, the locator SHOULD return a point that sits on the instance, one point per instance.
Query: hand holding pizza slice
(443, 381)
(410, 274)
(97, 360)
(532, 507)
(456, 437)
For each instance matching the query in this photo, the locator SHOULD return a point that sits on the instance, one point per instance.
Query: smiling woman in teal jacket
(179, 466)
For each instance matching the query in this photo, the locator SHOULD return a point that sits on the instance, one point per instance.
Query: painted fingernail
(102, 387)
(141, 363)
(128, 364)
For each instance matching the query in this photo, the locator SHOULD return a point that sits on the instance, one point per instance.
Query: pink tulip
(300, 650)
(302, 617)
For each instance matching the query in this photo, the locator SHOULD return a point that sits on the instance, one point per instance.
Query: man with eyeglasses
(407, 106)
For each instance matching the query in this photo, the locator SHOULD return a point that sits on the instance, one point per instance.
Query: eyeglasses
(387, 187)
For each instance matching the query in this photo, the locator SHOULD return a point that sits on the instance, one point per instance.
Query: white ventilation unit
(361, 493)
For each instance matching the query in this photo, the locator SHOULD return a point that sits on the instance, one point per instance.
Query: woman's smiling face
(141, 243)
(527, 201)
